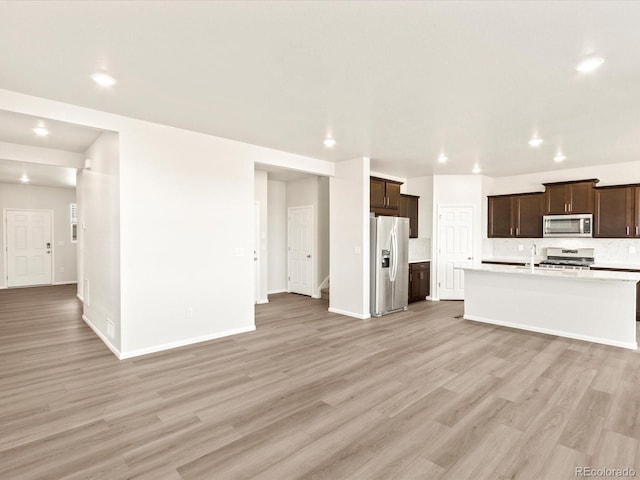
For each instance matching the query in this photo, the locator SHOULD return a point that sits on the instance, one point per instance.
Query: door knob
(308, 256)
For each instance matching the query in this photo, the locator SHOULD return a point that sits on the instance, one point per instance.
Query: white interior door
(29, 241)
(455, 249)
(256, 252)
(300, 240)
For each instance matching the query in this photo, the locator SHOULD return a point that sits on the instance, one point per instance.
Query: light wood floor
(416, 395)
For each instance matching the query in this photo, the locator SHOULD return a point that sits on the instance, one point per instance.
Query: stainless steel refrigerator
(389, 264)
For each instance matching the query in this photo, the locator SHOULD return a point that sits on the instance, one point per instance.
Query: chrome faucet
(534, 252)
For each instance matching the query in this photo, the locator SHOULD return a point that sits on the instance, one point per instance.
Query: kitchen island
(591, 305)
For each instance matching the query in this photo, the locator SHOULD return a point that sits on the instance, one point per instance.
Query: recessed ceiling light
(559, 158)
(536, 142)
(442, 158)
(24, 178)
(41, 131)
(103, 79)
(329, 142)
(476, 169)
(590, 64)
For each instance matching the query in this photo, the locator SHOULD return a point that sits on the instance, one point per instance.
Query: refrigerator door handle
(394, 255)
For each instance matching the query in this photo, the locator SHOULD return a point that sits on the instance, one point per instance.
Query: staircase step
(324, 293)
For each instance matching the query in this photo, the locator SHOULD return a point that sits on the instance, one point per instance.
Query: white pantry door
(28, 237)
(300, 227)
(455, 249)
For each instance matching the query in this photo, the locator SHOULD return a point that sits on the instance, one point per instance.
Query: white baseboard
(349, 314)
(557, 333)
(103, 337)
(65, 283)
(182, 343)
(2, 287)
(318, 295)
(273, 292)
(324, 283)
(261, 302)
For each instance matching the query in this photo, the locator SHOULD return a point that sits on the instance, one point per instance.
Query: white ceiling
(18, 128)
(42, 175)
(396, 81)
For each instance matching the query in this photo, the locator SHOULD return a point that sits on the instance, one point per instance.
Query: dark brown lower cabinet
(419, 281)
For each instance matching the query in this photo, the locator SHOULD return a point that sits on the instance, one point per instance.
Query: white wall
(277, 236)
(423, 187)
(45, 198)
(99, 238)
(261, 196)
(186, 225)
(349, 227)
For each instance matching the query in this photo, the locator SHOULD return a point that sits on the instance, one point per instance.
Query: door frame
(5, 253)
(314, 242)
(435, 268)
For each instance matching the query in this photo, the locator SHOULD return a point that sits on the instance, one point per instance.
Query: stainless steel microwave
(580, 225)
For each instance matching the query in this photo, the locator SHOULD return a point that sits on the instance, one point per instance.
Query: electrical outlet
(61, 269)
(189, 312)
(521, 248)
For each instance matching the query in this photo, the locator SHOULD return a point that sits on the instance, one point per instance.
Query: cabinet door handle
(510, 230)
(637, 228)
(627, 230)
(517, 231)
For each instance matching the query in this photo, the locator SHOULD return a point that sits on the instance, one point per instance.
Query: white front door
(300, 228)
(29, 241)
(455, 250)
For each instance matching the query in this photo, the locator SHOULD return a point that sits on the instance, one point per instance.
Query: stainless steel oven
(579, 225)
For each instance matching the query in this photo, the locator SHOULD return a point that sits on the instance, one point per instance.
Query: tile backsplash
(612, 250)
(419, 249)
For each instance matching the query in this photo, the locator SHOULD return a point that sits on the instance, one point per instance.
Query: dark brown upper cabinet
(569, 197)
(617, 211)
(409, 209)
(384, 196)
(518, 215)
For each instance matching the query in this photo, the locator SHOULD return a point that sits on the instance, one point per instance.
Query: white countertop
(523, 259)
(627, 265)
(420, 260)
(598, 275)
(537, 259)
